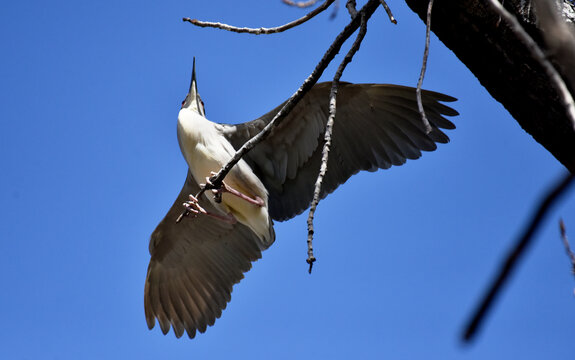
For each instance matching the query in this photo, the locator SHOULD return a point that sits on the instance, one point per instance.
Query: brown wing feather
(194, 266)
(377, 126)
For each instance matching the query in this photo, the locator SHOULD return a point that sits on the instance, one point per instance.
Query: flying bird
(195, 263)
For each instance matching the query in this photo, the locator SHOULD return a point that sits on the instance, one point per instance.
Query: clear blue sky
(90, 93)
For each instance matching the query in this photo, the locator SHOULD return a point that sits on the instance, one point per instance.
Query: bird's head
(193, 101)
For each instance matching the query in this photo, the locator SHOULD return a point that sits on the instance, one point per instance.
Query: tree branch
(388, 11)
(505, 66)
(328, 131)
(350, 6)
(546, 15)
(423, 68)
(538, 54)
(260, 31)
(365, 12)
(514, 255)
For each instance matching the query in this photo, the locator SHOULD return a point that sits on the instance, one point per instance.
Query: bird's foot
(258, 201)
(194, 207)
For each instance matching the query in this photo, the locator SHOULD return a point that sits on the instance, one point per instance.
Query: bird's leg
(258, 201)
(194, 207)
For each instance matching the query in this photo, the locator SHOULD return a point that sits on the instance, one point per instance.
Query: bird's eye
(183, 102)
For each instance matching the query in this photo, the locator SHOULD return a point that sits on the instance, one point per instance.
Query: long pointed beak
(193, 85)
(192, 100)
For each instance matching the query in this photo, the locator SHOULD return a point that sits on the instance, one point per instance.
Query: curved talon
(194, 207)
(190, 209)
(209, 185)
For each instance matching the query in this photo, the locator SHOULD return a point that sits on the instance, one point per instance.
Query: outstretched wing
(193, 267)
(376, 126)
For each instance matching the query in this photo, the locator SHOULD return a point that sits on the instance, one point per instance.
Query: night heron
(195, 263)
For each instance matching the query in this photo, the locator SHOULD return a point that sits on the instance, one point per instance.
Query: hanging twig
(260, 31)
(328, 132)
(365, 12)
(514, 255)
(388, 11)
(423, 68)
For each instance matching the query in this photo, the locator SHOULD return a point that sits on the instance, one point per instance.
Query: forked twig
(262, 30)
(328, 132)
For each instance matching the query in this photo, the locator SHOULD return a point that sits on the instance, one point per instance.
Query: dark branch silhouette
(514, 256)
(549, 19)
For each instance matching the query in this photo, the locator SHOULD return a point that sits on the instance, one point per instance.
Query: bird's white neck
(193, 128)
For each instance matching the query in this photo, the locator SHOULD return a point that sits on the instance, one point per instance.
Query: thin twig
(328, 132)
(423, 68)
(565, 241)
(350, 6)
(300, 4)
(388, 11)
(537, 53)
(262, 30)
(514, 255)
(366, 11)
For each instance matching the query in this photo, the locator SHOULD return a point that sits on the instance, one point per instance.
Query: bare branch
(300, 4)
(423, 68)
(328, 131)
(260, 31)
(537, 53)
(514, 255)
(559, 38)
(388, 11)
(366, 11)
(546, 17)
(350, 6)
